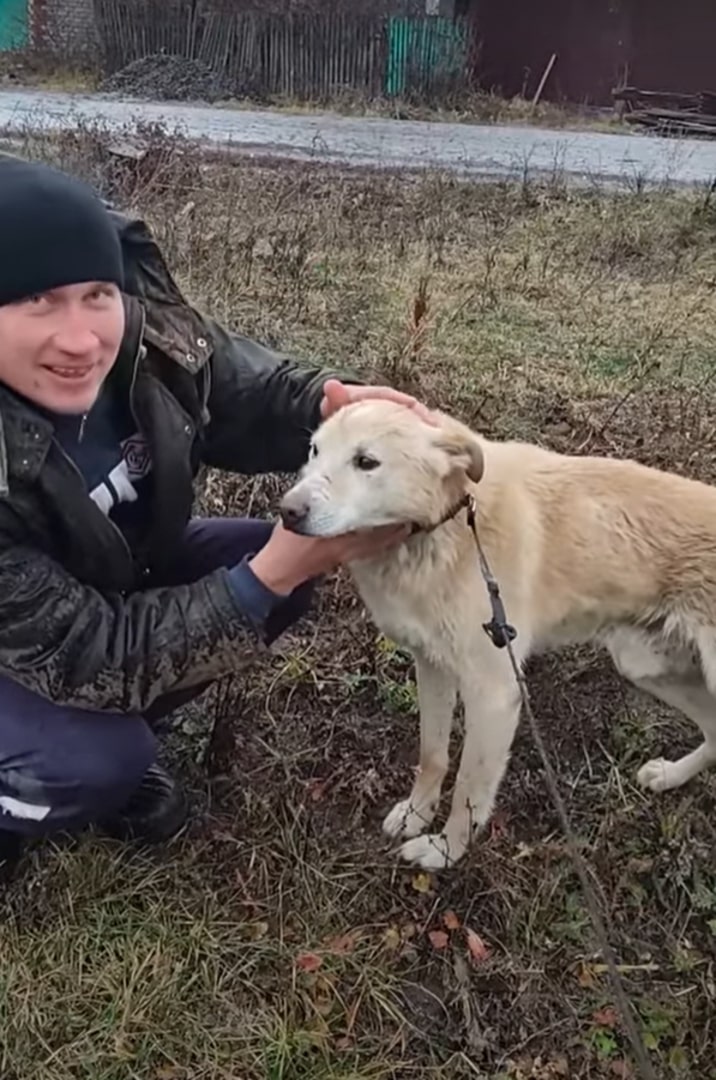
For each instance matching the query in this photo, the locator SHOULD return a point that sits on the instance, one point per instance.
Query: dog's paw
(659, 775)
(432, 852)
(405, 820)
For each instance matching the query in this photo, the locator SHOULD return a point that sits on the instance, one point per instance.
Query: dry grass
(48, 69)
(279, 939)
(471, 107)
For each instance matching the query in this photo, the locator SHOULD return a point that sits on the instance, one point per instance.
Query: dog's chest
(407, 600)
(402, 619)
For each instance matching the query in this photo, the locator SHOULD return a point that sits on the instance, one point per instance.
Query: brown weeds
(280, 940)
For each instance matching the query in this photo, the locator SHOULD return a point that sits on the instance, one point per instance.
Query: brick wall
(66, 26)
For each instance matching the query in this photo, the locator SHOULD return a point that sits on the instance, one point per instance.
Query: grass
(470, 107)
(279, 939)
(45, 70)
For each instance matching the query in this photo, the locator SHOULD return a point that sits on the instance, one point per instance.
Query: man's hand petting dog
(337, 394)
(288, 559)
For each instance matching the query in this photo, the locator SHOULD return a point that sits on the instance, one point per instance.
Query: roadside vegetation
(280, 939)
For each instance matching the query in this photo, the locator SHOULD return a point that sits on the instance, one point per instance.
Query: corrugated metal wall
(660, 44)
(674, 45)
(519, 36)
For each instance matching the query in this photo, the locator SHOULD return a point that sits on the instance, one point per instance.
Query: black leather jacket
(76, 623)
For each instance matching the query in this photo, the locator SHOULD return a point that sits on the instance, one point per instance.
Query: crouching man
(115, 604)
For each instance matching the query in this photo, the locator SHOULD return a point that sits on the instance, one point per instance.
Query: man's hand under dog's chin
(289, 559)
(337, 394)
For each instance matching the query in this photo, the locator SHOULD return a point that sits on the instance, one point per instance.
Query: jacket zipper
(140, 349)
(75, 469)
(83, 482)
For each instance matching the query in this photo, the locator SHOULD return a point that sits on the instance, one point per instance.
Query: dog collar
(452, 513)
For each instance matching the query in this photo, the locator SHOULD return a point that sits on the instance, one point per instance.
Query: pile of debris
(667, 113)
(164, 77)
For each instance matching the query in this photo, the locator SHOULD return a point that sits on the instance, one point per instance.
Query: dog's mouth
(299, 518)
(331, 530)
(322, 523)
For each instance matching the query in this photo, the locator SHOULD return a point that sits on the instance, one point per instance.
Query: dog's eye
(365, 462)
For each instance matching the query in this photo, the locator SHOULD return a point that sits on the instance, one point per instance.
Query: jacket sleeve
(78, 647)
(263, 406)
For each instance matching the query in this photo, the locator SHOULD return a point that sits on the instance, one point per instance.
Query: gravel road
(480, 151)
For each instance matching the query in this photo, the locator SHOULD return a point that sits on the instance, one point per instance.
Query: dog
(584, 549)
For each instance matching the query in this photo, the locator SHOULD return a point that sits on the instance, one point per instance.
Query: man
(115, 606)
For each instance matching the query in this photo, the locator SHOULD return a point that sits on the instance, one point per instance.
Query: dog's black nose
(293, 514)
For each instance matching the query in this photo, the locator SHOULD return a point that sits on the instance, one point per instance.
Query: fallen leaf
(391, 938)
(678, 1059)
(641, 865)
(606, 1017)
(586, 977)
(622, 1069)
(257, 930)
(422, 883)
(479, 951)
(308, 961)
(344, 943)
(323, 996)
(451, 921)
(438, 939)
(316, 789)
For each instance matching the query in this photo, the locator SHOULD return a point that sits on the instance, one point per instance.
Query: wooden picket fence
(303, 56)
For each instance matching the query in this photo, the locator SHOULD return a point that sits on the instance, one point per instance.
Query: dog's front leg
(492, 709)
(437, 690)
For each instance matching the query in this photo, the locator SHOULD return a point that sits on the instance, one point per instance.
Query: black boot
(155, 812)
(12, 846)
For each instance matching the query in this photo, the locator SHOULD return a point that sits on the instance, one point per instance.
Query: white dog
(583, 548)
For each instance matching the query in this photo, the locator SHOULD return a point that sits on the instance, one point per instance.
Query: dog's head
(377, 463)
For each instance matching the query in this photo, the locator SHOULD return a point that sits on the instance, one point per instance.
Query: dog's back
(610, 540)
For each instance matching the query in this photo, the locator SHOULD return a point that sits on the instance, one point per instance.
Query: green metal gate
(424, 53)
(13, 24)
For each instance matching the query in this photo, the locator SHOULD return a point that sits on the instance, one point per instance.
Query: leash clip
(499, 631)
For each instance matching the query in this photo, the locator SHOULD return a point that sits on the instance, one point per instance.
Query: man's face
(56, 349)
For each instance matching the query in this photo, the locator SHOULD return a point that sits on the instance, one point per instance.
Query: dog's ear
(462, 447)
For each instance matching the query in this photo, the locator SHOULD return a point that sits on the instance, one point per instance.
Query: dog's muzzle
(294, 510)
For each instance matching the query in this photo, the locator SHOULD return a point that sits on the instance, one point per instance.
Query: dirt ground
(280, 939)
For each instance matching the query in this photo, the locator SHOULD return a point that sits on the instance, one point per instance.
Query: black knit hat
(54, 231)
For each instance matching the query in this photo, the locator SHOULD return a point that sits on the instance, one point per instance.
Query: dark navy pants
(62, 768)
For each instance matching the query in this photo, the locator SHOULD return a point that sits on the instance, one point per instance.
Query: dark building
(653, 44)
